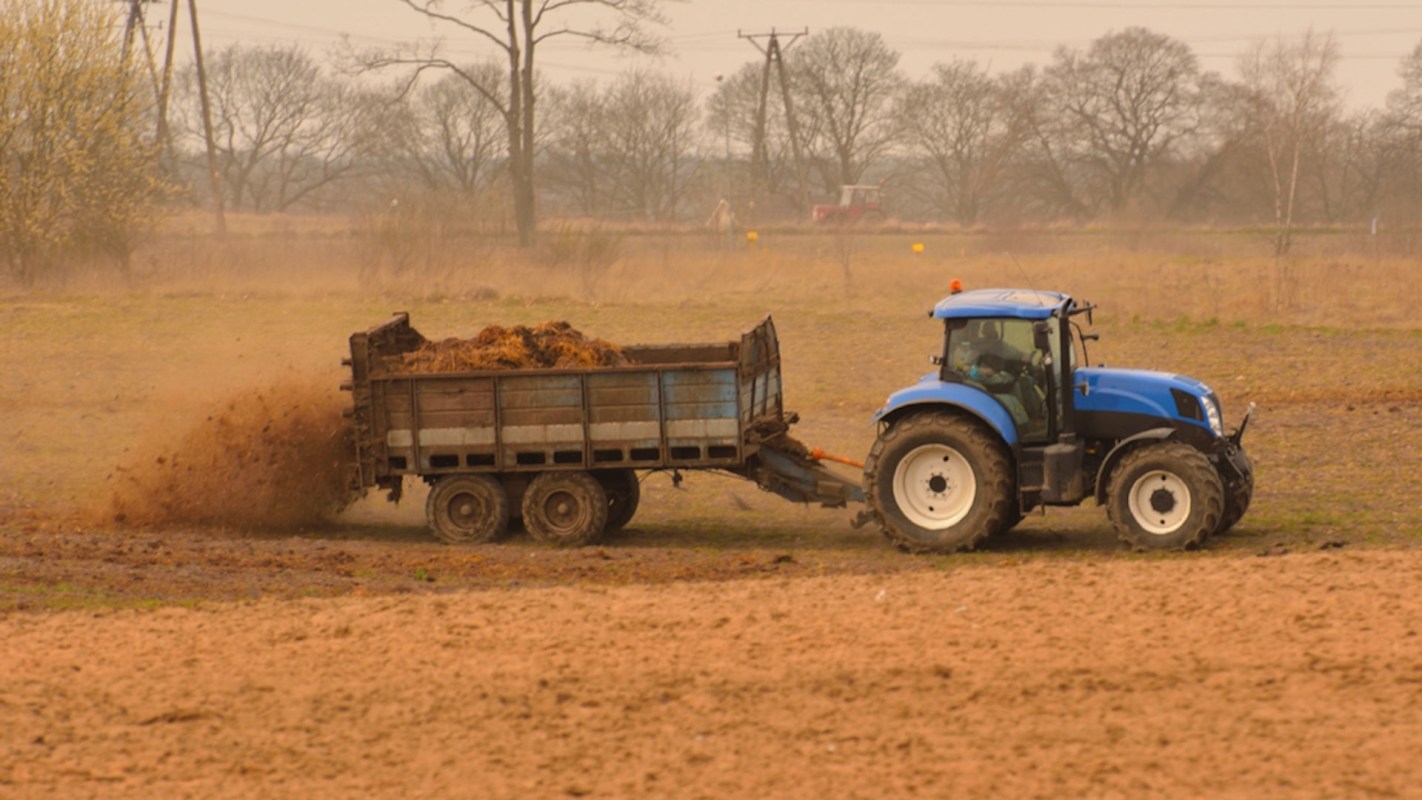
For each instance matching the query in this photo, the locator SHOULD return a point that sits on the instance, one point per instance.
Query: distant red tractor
(858, 204)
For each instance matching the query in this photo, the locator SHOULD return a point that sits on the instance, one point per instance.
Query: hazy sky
(1373, 34)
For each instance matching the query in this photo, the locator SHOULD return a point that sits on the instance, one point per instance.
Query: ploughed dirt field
(1295, 676)
(216, 632)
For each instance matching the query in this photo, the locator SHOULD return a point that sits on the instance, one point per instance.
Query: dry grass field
(727, 643)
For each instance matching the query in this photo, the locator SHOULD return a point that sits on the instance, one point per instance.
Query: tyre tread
(1194, 467)
(996, 482)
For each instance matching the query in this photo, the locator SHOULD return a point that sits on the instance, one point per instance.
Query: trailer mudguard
(931, 391)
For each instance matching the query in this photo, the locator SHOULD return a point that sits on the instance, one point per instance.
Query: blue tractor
(1011, 420)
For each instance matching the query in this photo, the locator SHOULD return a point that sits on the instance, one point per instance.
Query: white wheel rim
(1159, 502)
(934, 486)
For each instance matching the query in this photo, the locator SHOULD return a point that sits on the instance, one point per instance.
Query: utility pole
(136, 25)
(132, 24)
(760, 157)
(162, 89)
(213, 174)
(165, 137)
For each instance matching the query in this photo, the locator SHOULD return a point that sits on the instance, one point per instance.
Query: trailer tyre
(938, 482)
(468, 509)
(624, 492)
(565, 509)
(1165, 496)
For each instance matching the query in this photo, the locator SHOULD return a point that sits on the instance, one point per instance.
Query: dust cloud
(262, 459)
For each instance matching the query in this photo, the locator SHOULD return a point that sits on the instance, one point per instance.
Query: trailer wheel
(565, 509)
(1165, 496)
(624, 492)
(938, 482)
(1237, 498)
(467, 509)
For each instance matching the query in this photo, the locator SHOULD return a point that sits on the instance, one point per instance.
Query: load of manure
(550, 345)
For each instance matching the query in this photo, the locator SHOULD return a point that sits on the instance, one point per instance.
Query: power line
(1136, 5)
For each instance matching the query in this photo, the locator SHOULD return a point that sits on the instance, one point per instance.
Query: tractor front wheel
(1165, 496)
(938, 482)
(1237, 497)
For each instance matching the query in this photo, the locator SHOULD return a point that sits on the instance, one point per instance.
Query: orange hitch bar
(819, 455)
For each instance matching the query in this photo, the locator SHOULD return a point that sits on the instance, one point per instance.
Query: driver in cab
(984, 360)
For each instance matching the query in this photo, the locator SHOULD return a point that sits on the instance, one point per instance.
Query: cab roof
(1020, 303)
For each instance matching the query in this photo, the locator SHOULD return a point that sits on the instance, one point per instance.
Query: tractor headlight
(1212, 414)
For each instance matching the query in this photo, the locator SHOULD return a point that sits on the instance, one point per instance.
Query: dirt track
(1199, 675)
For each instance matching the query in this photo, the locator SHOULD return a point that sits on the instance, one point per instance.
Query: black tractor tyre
(624, 493)
(565, 509)
(938, 482)
(1237, 498)
(1014, 517)
(467, 509)
(1165, 496)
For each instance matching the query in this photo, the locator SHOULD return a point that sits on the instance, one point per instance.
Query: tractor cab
(859, 195)
(1008, 359)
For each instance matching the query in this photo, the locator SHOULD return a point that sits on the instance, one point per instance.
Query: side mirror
(1041, 336)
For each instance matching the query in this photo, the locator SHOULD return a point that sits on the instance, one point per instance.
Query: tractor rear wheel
(1165, 496)
(565, 509)
(938, 482)
(467, 509)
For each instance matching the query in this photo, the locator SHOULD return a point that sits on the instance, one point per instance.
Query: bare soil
(1295, 676)
(230, 637)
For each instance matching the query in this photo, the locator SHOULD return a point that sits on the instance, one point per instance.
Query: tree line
(1129, 128)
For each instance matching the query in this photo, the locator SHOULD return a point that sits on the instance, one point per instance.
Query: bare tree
(517, 28)
(1047, 180)
(1347, 170)
(1289, 101)
(283, 129)
(1127, 101)
(959, 125)
(573, 163)
(452, 139)
(649, 137)
(846, 80)
(1396, 138)
(77, 173)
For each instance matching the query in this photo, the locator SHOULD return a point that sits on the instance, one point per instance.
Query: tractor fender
(931, 392)
(1121, 448)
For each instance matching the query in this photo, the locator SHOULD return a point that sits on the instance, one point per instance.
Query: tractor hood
(1163, 395)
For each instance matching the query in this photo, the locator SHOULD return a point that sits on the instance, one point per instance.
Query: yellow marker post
(751, 238)
(918, 248)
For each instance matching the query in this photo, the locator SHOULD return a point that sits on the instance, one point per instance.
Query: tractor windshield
(998, 356)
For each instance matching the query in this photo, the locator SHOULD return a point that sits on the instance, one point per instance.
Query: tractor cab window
(999, 357)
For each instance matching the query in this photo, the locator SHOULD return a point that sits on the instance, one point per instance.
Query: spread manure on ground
(268, 459)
